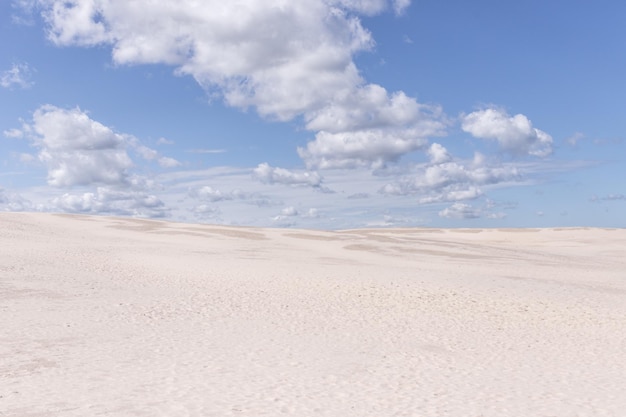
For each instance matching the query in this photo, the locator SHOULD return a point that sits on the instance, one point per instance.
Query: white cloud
(261, 54)
(370, 148)
(312, 213)
(146, 153)
(274, 175)
(514, 134)
(289, 211)
(287, 217)
(13, 133)
(460, 211)
(10, 201)
(574, 139)
(166, 162)
(107, 200)
(399, 6)
(446, 180)
(207, 193)
(19, 75)
(76, 149)
(369, 127)
(151, 154)
(164, 141)
(609, 197)
(24, 10)
(285, 59)
(438, 154)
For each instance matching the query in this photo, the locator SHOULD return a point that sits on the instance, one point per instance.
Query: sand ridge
(134, 317)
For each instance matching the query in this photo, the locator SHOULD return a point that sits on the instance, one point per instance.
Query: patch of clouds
(575, 139)
(287, 217)
(150, 154)
(285, 59)
(26, 158)
(208, 193)
(77, 150)
(289, 211)
(110, 201)
(311, 213)
(357, 196)
(24, 12)
(369, 128)
(460, 211)
(167, 162)
(19, 75)
(11, 201)
(274, 175)
(80, 151)
(514, 134)
(13, 133)
(609, 197)
(164, 141)
(447, 180)
(438, 154)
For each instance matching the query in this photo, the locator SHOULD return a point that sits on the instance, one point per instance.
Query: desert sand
(105, 316)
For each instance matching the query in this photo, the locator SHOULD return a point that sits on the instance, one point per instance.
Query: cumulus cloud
(287, 217)
(438, 154)
(207, 193)
(289, 211)
(261, 54)
(447, 180)
(10, 201)
(82, 154)
(167, 162)
(19, 75)
(111, 201)
(164, 141)
(514, 134)
(285, 59)
(369, 127)
(76, 149)
(460, 211)
(274, 175)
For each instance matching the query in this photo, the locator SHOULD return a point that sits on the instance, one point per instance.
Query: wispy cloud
(19, 75)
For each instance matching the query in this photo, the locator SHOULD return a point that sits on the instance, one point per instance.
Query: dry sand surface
(106, 316)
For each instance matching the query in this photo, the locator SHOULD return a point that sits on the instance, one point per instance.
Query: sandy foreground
(104, 316)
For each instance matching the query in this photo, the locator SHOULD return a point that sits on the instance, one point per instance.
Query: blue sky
(316, 113)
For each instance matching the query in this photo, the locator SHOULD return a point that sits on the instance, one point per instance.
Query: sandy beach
(107, 316)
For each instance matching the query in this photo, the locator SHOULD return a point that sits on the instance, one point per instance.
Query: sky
(329, 114)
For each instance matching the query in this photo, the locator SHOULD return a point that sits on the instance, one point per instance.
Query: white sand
(120, 317)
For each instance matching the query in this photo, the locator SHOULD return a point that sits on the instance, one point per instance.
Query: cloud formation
(514, 134)
(110, 201)
(19, 75)
(460, 211)
(79, 153)
(285, 59)
(447, 180)
(77, 150)
(274, 175)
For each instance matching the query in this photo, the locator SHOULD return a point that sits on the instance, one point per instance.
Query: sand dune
(125, 317)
